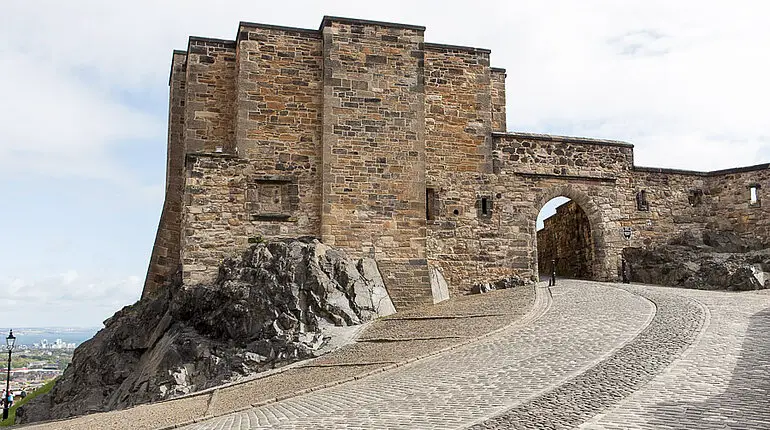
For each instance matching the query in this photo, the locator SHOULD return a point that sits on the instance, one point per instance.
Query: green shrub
(12, 412)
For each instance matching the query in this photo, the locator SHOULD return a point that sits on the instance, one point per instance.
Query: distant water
(29, 336)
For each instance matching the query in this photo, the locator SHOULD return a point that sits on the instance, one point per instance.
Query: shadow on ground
(745, 404)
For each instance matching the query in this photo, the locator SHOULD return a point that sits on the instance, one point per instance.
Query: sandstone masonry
(363, 135)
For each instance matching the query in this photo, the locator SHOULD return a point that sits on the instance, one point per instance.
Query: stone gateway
(367, 137)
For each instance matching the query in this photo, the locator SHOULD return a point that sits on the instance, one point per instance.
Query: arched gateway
(568, 241)
(362, 134)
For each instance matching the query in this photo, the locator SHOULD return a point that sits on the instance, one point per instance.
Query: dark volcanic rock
(267, 309)
(711, 261)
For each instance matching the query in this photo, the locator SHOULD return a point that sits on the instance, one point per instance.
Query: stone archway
(591, 211)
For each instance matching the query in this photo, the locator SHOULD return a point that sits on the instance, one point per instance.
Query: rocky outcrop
(267, 309)
(707, 261)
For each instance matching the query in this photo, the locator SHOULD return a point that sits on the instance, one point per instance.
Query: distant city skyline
(29, 336)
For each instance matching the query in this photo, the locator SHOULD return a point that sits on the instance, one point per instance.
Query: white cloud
(69, 277)
(651, 72)
(51, 123)
(659, 75)
(66, 298)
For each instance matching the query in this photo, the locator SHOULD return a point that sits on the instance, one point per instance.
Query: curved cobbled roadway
(589, 355)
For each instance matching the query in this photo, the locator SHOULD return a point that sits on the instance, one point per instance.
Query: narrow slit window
(430, 204)
(641, 201)
(484, 207)
(753, 195)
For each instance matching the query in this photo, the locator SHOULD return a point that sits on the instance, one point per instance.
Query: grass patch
(12, 412)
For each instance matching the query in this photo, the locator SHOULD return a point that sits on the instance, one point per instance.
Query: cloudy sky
(83, 111)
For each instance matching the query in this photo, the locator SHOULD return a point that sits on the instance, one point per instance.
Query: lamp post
(10, 342)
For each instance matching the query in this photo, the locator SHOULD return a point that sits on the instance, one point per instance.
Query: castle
(364, 135)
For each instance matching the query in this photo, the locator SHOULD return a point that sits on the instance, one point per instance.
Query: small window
(754, 195)
(695, 197)
(484, 207)
(641, 201)
(430, 204)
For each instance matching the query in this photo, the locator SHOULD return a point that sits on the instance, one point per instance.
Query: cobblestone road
(593, 356)
(721, 382)
(584, 323)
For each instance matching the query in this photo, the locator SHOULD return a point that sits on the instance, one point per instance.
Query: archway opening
(564, 237)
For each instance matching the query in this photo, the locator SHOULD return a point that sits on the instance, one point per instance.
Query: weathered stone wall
(566, 239)
(676, 201)
(681, 201)
(563, 157)
(497, 76)
(458, 117)
(164, 260)
(210, 85)
(216, 224)
(374, 150)
(458, 110)
(278, 125)
(594, 173)
(384, 145)
(731, 207)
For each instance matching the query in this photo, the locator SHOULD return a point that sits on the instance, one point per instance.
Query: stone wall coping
(557, 138)
(443, 47)
(210, 41)
(497, 70)
(664, 170)
(328, 20)
(258, 25)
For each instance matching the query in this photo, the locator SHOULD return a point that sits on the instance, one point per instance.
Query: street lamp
(10, 342)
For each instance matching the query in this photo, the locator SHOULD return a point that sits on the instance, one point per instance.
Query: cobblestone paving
(585, 323)
(676, 325)
(723, 381)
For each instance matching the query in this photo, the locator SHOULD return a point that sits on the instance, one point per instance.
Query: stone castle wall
(458, 117)
(165, 257)
(374, 150)
(210, 91)
(680, 201)
(364, 135)
(732, 209)
(594, 173)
